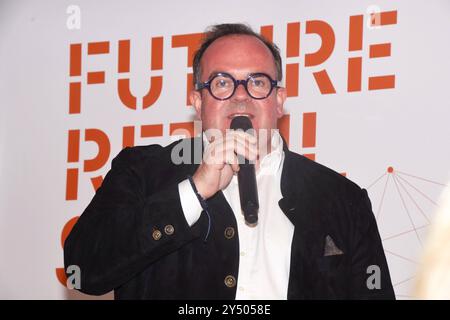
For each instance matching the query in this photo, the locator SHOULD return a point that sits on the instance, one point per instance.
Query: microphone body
(248, 190)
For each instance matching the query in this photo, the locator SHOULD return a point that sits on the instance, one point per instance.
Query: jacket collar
(296, 196)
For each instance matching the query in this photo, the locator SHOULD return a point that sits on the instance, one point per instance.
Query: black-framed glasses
(222, 85)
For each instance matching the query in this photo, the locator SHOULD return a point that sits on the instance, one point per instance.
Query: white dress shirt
(265, 249)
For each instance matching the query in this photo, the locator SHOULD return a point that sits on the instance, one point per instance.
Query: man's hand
(220, 161)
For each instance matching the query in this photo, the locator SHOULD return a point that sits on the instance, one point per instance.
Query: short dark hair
(217, 31)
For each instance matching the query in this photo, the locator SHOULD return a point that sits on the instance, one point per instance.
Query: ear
(195, 98)
(281, 98)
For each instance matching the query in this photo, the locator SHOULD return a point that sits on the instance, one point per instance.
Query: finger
(242, 134)
(221, 152)
(247, 152)
(239, 146)
(214, 154)
(232, 160)
(235, 142)
(247, 140)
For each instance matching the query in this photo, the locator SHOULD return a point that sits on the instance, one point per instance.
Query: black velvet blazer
(133, 237)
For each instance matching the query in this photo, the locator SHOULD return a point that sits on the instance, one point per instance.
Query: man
(158, 229)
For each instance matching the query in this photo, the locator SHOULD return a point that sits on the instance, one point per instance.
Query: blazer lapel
(298, 204)
(294, 191)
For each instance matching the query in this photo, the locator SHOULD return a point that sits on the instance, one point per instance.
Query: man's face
(239, 56)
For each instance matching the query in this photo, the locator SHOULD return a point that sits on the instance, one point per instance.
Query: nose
(241, 93)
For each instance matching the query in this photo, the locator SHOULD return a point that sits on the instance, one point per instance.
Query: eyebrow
(215, 72)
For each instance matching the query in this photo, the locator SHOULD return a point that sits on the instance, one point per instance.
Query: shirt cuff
(192, 208)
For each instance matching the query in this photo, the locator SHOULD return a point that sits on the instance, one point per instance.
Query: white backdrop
(361, 133)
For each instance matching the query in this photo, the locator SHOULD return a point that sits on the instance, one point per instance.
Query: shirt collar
(271, 162)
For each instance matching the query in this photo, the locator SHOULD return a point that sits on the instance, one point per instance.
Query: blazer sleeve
(370, 277)
(126, 228)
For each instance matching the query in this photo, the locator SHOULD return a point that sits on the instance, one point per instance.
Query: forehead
(238, 55)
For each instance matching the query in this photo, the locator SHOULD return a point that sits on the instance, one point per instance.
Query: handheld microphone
(248, 190)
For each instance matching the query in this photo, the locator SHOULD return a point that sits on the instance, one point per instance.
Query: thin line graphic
(408, 186)
(409, 195)
(382, 198)
(403, 233)
(431, 181)
(401, 257)
(423, 194)
(406, 209)
(403, 281)
(376, 181)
